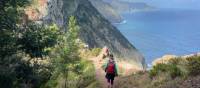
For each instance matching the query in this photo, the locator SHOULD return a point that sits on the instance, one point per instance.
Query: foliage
(37, 38)
(193, 65)
(69, 70)
(65, 57)
(21, 44)
(172, 69)
(89, 53)
(177, 73)
(9, 16)
(95, 51)
(10, 13)
(175, 61)
(16, 73)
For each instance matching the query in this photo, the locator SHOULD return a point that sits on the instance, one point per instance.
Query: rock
(167, 58)
(163, 59)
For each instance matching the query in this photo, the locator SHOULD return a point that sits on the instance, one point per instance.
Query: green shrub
(96, 51)
(174, 71)
(157, 69)
(81, 75)
(153, 73)
(193, 66)
(171, 69)
(88, 74)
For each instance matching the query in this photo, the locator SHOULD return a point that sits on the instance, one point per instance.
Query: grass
(193, 65)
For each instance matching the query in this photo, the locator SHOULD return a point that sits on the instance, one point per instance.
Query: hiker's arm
(105, 66)
(116, 70)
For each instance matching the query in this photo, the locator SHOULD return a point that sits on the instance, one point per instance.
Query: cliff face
(95, 30)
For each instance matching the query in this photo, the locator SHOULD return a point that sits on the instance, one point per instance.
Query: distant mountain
(112, 9)
(107, 11)
(129, 7)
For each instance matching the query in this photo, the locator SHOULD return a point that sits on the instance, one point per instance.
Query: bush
(171, 69)
(95, 51)
(174, 71)
(193, 66)
(81, 75)
(157, 69)
(88, 74)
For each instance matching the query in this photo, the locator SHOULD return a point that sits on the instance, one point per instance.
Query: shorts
(110, 76)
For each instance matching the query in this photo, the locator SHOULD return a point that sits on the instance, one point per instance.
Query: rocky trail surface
(99, 71)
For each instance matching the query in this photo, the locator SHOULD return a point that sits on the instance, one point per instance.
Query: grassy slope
(167, 75)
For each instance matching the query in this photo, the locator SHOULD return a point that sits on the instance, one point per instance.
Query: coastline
(118, 23)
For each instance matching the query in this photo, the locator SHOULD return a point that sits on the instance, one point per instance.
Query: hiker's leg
(109, 85)
(108, 80)
(112, 82)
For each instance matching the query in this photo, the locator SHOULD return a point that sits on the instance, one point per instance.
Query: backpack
(110, 67)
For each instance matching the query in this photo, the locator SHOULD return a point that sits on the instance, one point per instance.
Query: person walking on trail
(111, 71)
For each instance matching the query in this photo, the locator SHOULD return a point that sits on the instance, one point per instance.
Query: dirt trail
(100, 74)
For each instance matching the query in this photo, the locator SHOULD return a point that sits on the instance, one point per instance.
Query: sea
(162, 32)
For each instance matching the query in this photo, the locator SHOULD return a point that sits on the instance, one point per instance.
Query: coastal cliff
(95, 30)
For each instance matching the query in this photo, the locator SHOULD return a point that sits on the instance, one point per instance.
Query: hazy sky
(184, 4)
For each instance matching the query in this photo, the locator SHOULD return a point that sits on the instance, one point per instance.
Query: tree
(17, 41)
(65, 55)
(9, 16)
(37, 38)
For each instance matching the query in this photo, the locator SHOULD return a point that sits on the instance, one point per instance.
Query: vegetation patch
(177, 73)
(193, 66)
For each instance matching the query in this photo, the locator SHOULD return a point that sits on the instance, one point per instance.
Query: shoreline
(118, 23)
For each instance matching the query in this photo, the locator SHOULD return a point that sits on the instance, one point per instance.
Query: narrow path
(100, 74)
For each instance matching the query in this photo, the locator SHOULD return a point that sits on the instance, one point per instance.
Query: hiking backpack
(110, 67)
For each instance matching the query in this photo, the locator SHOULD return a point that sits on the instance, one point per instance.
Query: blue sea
(165, 31)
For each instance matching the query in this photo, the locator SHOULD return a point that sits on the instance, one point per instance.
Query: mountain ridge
(107, 10)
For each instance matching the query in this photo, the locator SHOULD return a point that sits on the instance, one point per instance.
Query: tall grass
(193, 65)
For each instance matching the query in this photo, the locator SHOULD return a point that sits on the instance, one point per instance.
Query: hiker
(105, 52)
(111, 70)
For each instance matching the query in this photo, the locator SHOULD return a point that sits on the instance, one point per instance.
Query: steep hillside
(107, 11)
(95, 30)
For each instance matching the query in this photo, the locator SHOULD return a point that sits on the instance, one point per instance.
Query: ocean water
(165, 31)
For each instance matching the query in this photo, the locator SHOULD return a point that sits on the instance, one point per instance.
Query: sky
(181, 4)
